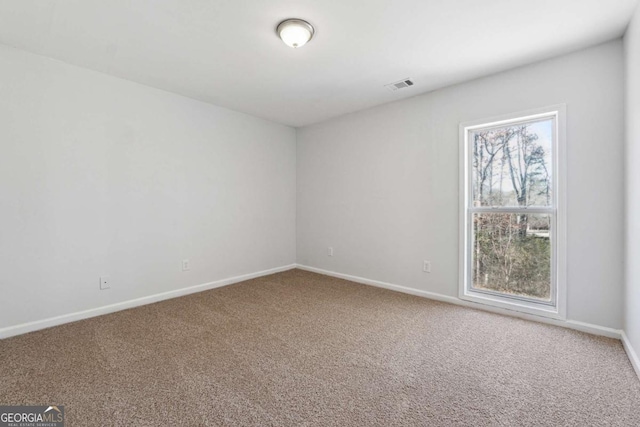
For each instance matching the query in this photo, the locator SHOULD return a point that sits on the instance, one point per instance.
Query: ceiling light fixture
(295, 32)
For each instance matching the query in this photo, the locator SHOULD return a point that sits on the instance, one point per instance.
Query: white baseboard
(633, 356)
(571, 324)
(72, 317)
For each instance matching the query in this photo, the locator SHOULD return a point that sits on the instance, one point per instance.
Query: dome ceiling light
(295, 32)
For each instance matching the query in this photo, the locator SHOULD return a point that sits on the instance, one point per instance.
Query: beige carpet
(297, 348)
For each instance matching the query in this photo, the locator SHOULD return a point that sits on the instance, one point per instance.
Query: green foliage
(511, 258)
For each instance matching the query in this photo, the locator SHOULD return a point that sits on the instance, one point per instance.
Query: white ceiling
(226, 51)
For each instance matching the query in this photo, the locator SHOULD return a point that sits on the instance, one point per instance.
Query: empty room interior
(320, 213)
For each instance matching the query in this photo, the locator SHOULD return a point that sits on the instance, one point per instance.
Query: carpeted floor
(298, 348)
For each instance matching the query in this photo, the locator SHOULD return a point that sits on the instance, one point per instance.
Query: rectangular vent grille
(401, 84)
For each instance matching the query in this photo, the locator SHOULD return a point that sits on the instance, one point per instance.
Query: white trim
(633, 356)
(558, 214)
(72, 317)
(378, 284)
(570, 324)
(525, 210)
(561, 213)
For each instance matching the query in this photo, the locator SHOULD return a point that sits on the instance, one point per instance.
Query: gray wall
(632, 291)
(102, 176)
(381, 186)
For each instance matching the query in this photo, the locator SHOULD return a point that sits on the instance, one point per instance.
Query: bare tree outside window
(511, 174)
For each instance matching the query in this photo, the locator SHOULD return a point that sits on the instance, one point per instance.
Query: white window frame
(557, 308)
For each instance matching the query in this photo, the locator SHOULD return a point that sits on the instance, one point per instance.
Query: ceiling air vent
(401, 84)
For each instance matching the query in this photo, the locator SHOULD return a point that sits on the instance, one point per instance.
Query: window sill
(521, 306)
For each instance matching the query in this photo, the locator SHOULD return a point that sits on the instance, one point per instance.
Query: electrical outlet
(330, 251)
(426, 266)
(105, 283)
(185, 265)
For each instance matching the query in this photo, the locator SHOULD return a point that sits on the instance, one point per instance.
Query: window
(512, 219)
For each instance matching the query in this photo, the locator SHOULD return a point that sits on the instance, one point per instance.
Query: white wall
(381, 186)
(103, 176)
(632, 291)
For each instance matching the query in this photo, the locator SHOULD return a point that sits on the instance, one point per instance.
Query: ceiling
(226, 52)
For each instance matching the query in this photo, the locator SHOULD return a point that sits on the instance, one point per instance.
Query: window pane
(512, 166)
(511, 254)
